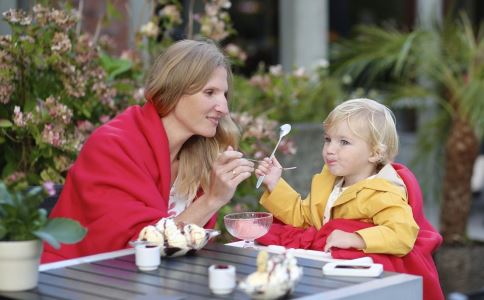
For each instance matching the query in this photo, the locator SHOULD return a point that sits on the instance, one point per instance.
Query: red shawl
(119, 184)
(418, 262)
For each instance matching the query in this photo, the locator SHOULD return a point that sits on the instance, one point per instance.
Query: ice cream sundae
(175, 239)
(275, 277)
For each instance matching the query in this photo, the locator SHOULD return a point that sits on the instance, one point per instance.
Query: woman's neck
(176, 136)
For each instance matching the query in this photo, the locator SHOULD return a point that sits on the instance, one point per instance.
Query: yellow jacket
(381, 200)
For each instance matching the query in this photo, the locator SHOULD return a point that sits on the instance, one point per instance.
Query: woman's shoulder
(126, 129)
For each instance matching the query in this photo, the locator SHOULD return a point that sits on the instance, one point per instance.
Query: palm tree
(451, 58)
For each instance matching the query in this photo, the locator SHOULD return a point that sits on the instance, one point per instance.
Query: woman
(151, 162)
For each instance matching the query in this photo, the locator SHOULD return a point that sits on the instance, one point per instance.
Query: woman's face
(200, 113)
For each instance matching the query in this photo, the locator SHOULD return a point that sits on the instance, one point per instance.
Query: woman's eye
(344, 142)
(209, 92)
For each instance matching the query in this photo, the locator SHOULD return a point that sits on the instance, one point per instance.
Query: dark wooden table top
(187, 278)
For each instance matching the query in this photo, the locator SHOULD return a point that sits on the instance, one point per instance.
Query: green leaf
(61, 230)
(5, 123)
(5, 196)
(115, 66)
(47, 237)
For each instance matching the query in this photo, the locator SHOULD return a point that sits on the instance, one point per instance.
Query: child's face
(347, 154)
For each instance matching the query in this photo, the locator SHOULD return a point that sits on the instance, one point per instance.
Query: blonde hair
(184, 69)
(376, 125)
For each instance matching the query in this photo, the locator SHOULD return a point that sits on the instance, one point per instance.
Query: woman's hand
(272, 170)
(344, 240)
(228, 171)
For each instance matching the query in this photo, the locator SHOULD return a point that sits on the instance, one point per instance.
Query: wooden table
(115, 276)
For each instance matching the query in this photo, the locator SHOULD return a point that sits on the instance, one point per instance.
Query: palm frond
(377, 52)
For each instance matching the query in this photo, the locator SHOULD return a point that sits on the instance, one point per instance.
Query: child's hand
(272, 169)
(344, 240)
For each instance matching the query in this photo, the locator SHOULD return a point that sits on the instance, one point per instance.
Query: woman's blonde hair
(184, 69)
(375, 123)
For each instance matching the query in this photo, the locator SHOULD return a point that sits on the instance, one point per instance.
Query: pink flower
(49, 188)
(17, 16)
(104, 118)
(14, 177)
(18, 117)
(61, 43)
(51, 135)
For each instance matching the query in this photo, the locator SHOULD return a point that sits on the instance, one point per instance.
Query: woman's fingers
(227, 156)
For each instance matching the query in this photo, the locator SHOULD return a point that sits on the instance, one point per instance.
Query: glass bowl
(248, 226)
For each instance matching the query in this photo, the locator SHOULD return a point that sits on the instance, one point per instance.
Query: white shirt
(176, 203)
(335, 193)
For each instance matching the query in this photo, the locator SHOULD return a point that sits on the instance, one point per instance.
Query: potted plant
(23, 227)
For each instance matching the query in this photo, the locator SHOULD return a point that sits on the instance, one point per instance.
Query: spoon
(284, 130)
(282, 168)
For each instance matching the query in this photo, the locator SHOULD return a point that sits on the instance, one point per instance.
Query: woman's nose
(222, 106)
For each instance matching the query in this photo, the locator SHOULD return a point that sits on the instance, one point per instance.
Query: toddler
(357, 182)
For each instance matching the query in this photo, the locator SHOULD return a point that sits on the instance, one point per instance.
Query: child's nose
(329, 147)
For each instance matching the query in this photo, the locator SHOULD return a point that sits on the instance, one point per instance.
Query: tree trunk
(461, 152)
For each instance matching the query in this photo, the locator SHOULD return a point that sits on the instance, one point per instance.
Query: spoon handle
(259, 181)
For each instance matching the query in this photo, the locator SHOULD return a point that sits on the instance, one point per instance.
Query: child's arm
(272, 170)
(395, 231)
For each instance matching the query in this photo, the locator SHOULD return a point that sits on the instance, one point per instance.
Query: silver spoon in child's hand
(284, 130)
(282, 168)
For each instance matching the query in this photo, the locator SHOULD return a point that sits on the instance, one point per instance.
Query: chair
(415, 197)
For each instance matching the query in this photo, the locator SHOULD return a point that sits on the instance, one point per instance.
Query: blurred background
(69, 66)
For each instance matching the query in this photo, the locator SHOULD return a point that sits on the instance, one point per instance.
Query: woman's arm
(228, 171)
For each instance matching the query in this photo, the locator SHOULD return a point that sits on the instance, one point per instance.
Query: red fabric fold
(418, 262)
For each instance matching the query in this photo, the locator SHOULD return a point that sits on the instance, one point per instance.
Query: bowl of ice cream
(275, 277)
(175, 239)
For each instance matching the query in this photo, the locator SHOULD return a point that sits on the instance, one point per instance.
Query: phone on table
(349, 269)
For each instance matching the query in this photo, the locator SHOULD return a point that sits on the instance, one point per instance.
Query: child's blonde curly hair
(370, 120)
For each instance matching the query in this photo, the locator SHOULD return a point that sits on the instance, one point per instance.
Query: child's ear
(376, 157)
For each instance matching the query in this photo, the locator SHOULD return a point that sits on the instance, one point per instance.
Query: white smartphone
(355, 269)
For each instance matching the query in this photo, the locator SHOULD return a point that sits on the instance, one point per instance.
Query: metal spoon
(258, 161)
(284, 130)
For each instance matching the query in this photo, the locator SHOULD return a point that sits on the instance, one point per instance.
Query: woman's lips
(214, 120)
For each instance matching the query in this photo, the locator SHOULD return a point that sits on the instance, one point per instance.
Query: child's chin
(333, 170)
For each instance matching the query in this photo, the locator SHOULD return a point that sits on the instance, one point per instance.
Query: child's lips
(331, 162)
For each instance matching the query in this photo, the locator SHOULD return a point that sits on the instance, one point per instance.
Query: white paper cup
(221, 279)
(147, 257)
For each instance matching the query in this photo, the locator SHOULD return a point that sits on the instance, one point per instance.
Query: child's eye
(327, 139)
(344, 142)
(209, 92)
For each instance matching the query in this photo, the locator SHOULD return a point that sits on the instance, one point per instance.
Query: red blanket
(119, 184)
(418, 262)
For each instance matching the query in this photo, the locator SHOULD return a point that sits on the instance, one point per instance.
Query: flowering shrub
(53, 93)
(297, 96)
